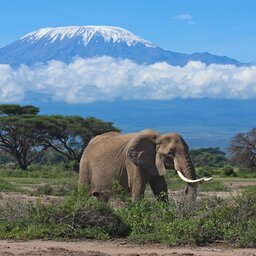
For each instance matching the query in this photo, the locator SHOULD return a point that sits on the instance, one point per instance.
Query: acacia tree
(212, 157)
(69, 135)
(20, 138)
(26, 135)
(243, 149)
(17, 110)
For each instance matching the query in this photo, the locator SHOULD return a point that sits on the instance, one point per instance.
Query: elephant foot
(104, 197)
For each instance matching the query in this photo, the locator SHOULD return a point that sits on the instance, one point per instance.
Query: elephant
(135, 159)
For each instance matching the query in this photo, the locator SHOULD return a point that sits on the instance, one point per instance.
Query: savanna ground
(39, 215)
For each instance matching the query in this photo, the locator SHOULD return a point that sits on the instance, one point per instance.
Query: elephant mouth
(169, 165)
(168, 162)
(192, 181)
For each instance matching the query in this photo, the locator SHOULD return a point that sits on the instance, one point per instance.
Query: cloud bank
(105, 78)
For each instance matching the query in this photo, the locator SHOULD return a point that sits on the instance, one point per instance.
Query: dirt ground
(115, 248)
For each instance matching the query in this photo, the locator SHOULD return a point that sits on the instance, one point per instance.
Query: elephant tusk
(207, 179)
(192, 181)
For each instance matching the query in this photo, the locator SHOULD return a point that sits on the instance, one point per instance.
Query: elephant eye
(171, 153)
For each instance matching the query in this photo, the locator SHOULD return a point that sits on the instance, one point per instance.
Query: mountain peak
(86, 33)
(66, 43)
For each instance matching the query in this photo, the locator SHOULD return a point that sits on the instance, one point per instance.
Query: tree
(26, 136)
(243, 149)
(69, 135)
(20, 138)
(5, 157)
(211, 157)
(16, 110)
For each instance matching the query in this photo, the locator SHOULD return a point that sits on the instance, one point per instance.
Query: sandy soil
(116, 248)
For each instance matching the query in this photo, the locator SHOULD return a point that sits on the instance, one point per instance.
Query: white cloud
(185, 17)
(105, 78)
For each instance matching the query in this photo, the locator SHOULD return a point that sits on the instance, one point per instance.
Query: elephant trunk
(186, 172)
(190, 173)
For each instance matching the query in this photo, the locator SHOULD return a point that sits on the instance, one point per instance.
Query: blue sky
(222, 27)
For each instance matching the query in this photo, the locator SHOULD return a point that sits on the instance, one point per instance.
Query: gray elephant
(133, 160)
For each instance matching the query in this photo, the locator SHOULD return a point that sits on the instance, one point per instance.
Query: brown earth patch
(115, 248)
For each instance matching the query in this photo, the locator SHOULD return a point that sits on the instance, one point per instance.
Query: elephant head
(155, 153)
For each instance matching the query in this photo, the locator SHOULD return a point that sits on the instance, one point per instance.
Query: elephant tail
(84, 181)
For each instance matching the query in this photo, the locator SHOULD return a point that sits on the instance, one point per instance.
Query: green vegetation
(204, 222)
(27, 136)
(7, 186)
(17, 110)
(75, 217)
(229, 171)
(49, 149)
(174, 223)
(177, 184)
(245, 173)
(210, 157)
(243, 149)
(225, 171)
(39, 180)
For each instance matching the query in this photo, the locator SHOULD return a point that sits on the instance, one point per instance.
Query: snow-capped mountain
(85, 35)
(65, 43)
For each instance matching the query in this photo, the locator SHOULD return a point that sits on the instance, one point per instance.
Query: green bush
(210, 157)
(212, 186)
(45, 189)
(178, 222)
(39, 171)
(56, 190)
(199, 223)
(73, 166)
(204, 171)
(76, 217)
(228, 170)
(245, 173)
(207, 171)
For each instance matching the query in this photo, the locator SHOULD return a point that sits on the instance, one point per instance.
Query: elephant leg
(159, 188)
(136, 181)
(137, 190)
(84, 175)
(137, 184)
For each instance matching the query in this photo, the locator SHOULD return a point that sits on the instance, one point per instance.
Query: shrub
(39, 171)
(177, 222)
(200, 223)
(204, 171)
(72, 166)
(213, 186)
(45, 189)
(228, 170)
(76, 217)
(207, 171)
(211, 157)
(57, 190)
(245, 173)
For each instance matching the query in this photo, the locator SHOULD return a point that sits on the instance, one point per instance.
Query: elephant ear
(142, 152)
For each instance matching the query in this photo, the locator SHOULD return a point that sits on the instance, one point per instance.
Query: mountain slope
(65, 43)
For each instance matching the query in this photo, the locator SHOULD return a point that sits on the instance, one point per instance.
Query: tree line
(27, 136)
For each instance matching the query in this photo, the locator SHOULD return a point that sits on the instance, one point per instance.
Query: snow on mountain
(65, 43)
(114, 34)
